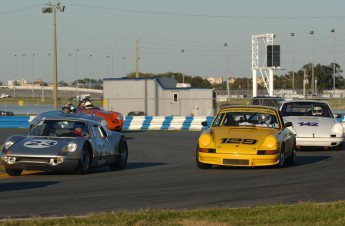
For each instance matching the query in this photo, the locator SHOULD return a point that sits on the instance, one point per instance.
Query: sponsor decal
(40, 143)
(237, 141)
(308, 124)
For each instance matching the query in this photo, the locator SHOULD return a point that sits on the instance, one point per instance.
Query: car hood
(240, 140)
(39, 146)
(307, 126)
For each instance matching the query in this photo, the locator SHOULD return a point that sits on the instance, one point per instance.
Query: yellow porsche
(247, 136)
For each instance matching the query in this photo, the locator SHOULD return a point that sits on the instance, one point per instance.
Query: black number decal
(237, 141)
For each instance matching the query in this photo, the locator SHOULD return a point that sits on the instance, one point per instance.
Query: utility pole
(52, 9)
(333, 31)
(137, 60)
(304, 82)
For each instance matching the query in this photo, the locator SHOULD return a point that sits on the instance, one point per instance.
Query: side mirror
(204, 123)
(288, 124)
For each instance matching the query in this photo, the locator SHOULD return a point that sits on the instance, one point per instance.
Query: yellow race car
(249, 136)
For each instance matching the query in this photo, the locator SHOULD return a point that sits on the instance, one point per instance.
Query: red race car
(113, 118)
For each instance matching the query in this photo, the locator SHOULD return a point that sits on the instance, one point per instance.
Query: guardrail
(14, 121)
(192, 123)
(165, 123)
(130, 122)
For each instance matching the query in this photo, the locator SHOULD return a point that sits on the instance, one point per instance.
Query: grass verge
(303, 213)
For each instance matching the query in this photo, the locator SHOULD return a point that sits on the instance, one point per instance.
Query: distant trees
(323, 74)
(195, 81)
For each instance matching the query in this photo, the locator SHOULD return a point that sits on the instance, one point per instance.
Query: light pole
(333, 31)
(52, 9)
(69, 65)
(108, 59)
(23, 55)
(293, 60)
(90, 56)
(124, 65)
(312, 67)
(14, 75)
(227, 59)
(76, 73)
(227, 70)
(112, 60)
(32, 75)
(182, 53)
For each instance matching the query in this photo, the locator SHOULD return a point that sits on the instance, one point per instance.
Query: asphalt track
(162, 174)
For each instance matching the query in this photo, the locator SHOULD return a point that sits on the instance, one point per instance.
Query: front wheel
(13, 172)
(84, 162)
(281, 157)
(121, 156)
(292, 159)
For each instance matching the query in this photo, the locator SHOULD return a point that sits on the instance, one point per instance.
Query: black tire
(292, 159)
(200, 164)
(339, 147)
(13, 172)
(121, 156)
(85, 160)
(282, 156)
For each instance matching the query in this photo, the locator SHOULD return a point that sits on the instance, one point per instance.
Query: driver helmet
(88, 104)
(73, 109)
(264, 118)
(317, 110)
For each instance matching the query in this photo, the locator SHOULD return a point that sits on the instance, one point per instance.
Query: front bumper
(319, 141)
(238, 160)
(40, 163)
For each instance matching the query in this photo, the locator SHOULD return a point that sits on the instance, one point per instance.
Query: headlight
(71, 147)
(120, 116)
(270, 143)
(8, 144)
(205, 140)
(338, 129)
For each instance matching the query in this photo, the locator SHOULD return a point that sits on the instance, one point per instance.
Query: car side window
(219, 119)
(103, 132)
(95, 132)
(98, 132)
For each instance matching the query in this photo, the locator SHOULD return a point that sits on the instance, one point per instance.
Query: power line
(18, 10)
(206, 15)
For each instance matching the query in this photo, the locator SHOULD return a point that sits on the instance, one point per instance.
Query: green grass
(300, 214)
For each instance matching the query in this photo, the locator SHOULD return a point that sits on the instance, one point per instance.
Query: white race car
(314, 124)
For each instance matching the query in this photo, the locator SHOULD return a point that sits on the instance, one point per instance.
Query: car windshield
(313, 109)
(60, 128)
(247, 118)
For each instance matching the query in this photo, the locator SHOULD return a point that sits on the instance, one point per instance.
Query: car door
(101, 145)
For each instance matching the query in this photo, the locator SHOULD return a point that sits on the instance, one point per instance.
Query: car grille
(236, 162)
(32, 159)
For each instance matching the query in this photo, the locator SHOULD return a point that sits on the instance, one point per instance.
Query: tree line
(323, 75)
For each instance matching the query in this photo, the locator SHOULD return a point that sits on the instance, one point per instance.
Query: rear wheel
(200, 164)
(85, 159)
(13, 172)
(339, 147)
(121, 156)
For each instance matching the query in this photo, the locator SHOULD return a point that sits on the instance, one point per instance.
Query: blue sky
(164, 28)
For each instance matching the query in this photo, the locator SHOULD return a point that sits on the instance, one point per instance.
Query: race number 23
(238, 141)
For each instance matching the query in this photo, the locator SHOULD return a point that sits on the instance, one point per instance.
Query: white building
(157, 97)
